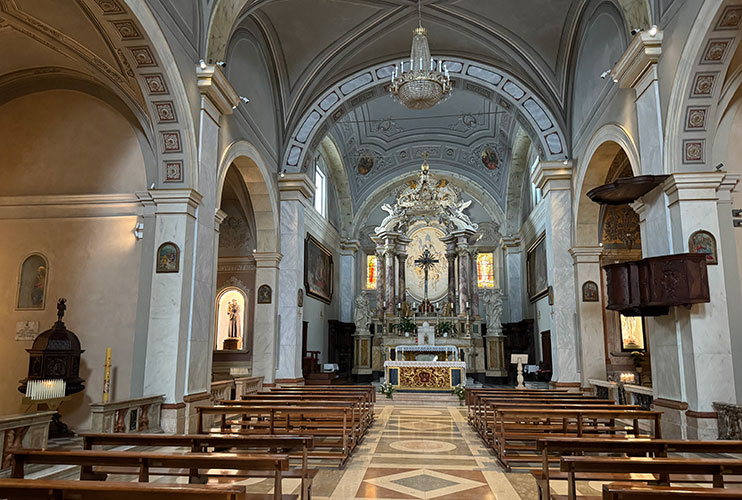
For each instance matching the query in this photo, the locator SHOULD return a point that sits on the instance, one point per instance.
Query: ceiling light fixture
(425, 83)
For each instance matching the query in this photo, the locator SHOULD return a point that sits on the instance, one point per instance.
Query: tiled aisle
(422, 452)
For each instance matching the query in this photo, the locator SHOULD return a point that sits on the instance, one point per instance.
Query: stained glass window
(371, 272)
(486, 270)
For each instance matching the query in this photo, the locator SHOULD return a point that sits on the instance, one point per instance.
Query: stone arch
(601, 150)
(545, 128)
(261, 184)
(693, 109)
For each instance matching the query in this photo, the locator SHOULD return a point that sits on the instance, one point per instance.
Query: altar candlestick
(107, 376)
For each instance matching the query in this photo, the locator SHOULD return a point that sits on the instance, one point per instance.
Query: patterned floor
(422, 452)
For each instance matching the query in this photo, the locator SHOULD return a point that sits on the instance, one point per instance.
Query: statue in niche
(362, 315)
(233, 311)
(493, 307)
(32, 283)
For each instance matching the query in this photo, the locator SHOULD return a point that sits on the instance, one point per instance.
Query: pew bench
(145, 464)
(43, 489)
(203, 443)
(623, 491)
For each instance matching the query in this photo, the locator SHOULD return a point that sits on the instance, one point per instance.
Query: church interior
(371, 249)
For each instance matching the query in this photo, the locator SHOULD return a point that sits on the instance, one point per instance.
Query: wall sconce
(139, 230)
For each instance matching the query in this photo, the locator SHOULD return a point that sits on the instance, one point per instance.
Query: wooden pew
(144, 462)
(551, 447)
(203, 443)
(331, 424)
(361, 398)
(520, 429)
(623, 491)
(664, 468)
(43, 489)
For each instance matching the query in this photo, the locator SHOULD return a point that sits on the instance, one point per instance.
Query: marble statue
(455, 217)
(426, 334)
(392, 220)
(362, 315)
(493, 307)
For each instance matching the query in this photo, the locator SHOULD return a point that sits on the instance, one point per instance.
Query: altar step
(419, 399)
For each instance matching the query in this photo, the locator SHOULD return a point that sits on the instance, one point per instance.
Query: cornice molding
(638, 60)
(213, 84)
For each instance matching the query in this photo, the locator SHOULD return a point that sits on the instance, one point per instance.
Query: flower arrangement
(387, 389)
(460, 391)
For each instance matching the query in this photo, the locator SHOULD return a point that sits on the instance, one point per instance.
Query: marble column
(380, 278)
(401, 279)
(703, 330)
(514, 279)
(462, 248)
(390, 296)
(296, 190)
(554, 179)
(348, 253)
(474, 281)
(589, 314)
(265, 329)
(451, 253)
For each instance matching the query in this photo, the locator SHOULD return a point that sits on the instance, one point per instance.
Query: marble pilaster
(296, 190)
(554, 179)
(589, 315)
(402, 243)
(265, 329)
(380, 279)
(348, 253)
(462, 249)
(450, 242)
(514, 277)
(474, 281)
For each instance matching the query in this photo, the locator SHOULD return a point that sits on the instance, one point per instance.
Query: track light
(221, 64)
(566, 160)
(243, 99)
(283, 173)
(635, 31)
(605, 74)
(202, 63)
(653, 30)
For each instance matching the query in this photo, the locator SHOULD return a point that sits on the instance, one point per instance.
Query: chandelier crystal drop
(426, 82)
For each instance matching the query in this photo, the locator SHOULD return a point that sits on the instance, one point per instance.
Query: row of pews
(565, 438)
(271, 434)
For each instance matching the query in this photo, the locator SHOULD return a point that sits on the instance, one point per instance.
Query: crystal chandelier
(425, 84)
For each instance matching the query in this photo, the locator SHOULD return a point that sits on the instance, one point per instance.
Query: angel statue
(457, 218)
(493, 307)
(391, 221)
(362, 315)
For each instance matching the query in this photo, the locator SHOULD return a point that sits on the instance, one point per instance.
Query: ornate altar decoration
(53, 370)
(426, 367)
(426, 289)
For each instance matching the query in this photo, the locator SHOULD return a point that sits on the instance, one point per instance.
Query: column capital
(637, 66)
(692, 186)
(511, 242)
(727, 186)
(586, 255)
(349, 247)
(296, 186)
(213, 84)
(267, 259)
(553, 176)
(171, 201)
(219, 217)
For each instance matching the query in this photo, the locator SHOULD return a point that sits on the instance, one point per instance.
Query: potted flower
(460, 391)
(445, 329)
(386, 389)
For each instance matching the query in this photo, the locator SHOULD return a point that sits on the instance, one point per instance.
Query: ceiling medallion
(424, 84)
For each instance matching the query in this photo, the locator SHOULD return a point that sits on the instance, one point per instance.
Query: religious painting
(490, 159)
(32, 281)
(231, 314)
(370, 272)
(590, 291)
(422, 239)
(705, 243)
(168, 258)
(365, 164)
(318, 270)
(536, 268)
(632, 332)
(265, 294)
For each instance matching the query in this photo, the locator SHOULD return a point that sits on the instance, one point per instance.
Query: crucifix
(426, 262)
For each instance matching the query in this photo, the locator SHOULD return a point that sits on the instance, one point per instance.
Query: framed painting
(705, 243)
(318, 270)
(32, 280)
(632, 333)
(168, 258)
(265, 294)
(590, 292)
(538, 285)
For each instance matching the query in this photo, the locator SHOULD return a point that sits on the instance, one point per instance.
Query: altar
(425, 367)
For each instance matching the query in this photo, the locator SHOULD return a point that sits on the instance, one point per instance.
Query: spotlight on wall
(202, 63)
(653, 30)
(283, 173)
(221, 64)
(152, 186)
(605, 74)
(566, 160)
(242, 99)
(635, 31)
(139, 230)
(719, 167)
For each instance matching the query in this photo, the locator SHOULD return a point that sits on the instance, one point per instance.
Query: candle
(440, 62)
(107, 376)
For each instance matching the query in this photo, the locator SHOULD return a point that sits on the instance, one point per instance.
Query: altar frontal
(425, 367)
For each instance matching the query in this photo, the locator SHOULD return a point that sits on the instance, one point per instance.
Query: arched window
(536, 194)
(486, 270)
(320, 189)
(371, 270)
